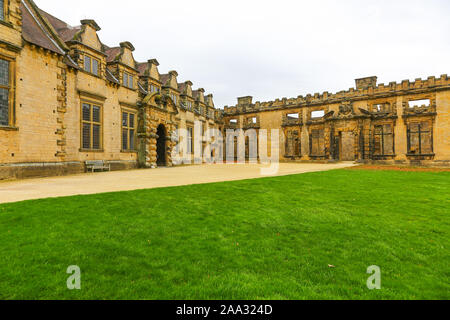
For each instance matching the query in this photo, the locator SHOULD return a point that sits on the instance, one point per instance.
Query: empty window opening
(317, 114)
(420, 138)
(419, 103)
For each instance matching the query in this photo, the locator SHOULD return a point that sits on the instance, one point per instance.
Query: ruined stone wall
(378, 118)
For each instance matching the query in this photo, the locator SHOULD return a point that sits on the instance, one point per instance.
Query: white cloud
(274, 49)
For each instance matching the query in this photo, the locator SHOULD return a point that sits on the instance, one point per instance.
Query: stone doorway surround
(161, 146)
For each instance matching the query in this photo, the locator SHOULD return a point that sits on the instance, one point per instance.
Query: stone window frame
(407, 109)
(310, 110)
(174, 97)
(189, 140)
(91, 65)
(298, 144)
(311, 130)
(235, 123)
(250, 120)
(386, 105)
(129, 112)
(11, 87)
(129, 77)
(383, 155)
(92, 103)
(430, 132)
(154, 88)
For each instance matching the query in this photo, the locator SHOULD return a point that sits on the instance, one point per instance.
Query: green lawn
(267, 238)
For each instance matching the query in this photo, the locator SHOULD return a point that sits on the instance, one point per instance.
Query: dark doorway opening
(161, 146)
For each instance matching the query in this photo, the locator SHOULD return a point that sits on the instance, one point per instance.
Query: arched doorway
(161, 146)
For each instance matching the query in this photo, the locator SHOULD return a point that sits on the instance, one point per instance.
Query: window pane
(131, 120)
(86, 112)
(125, 119)
(4, 72)
(95, 114)
(2, 10)
(130, 82)
(125, 79)
(124, 139)
(86, 136)
(95, 67)
(87, 63)
(132, 146)
(96, 136)
(4, 107)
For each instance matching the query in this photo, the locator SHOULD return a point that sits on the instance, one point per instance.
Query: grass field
(270, 238)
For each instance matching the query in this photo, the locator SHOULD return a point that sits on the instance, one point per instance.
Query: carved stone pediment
(346, 110)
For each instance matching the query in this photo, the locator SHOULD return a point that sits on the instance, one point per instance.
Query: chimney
(366, 83)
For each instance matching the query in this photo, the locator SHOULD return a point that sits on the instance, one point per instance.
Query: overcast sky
(279, 48)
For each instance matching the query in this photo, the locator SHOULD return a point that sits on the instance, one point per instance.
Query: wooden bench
(97, 165)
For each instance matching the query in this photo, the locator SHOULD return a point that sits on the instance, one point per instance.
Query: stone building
(66, 98)
(402, 123)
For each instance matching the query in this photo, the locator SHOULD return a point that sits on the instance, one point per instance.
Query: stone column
(401, 144)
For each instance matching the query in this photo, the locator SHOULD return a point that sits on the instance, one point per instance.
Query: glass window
(95, 67)
(91, 65)
(130, 82)
(128, 131)
(87, 64)
(125, 79)
(91, 127)
(4, 92)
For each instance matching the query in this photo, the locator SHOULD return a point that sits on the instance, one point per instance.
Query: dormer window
(153, 89)
(174, 98)
(128, 80)
(91, 65)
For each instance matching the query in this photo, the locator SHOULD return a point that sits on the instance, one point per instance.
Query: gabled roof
(182, 87)
(65, 31)
(141, 67)
(164, 78)
(112, 53)
(34, 31)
